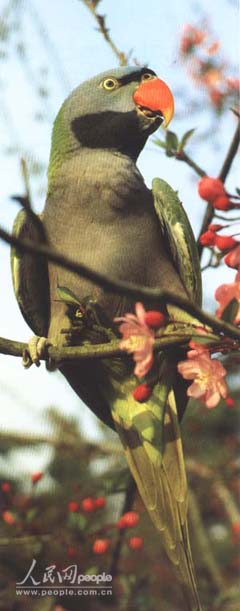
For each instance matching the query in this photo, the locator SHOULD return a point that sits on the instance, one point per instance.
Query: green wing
(179, 237)
(30, 276)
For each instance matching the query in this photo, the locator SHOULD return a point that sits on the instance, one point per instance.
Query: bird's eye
(146, 76)
(110, 84)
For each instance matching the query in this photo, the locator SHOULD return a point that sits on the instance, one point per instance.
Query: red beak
(155, 95)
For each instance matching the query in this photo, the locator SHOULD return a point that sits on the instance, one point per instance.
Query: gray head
(117, 110)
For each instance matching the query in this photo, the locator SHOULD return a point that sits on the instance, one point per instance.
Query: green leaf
(160, 143)
(81, 521)
(230, 312)
(185, 138)
(237, 190)
(171, 141)
(67, 296)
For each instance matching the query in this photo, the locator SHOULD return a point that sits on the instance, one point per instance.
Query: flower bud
(5, 487)
(232, 259)
(225, 242)
(208, 238)
(8, 517)
(101, 546)
(99, 502)
(73, 506)
(142, 393)
(88, 504)
(36, 477)
(210, 188)
(135, 542)
(128, 520)
(222, 202)
(154, 319)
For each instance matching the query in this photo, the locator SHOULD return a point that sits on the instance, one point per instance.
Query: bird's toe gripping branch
(37, 349)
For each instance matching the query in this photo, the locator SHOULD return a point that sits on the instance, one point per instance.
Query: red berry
(221, 202)
(210, 188)
(101, 546)
(155, 319)
(99, 502)
(135, 542)
(128, 520)
(73, 506)
(230, 402)
(88, 504)
(208, 238)
(142, 393)
(5, 486)
(36, 477)
(8, 517)
(225, 242)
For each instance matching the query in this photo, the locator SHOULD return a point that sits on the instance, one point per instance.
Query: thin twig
(129, 289)
(61, 443)
(100, 19)
(182, 156)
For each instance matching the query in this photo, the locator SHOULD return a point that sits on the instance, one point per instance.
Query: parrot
(100, 213)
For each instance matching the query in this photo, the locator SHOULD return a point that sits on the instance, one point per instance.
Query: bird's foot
(36, 350)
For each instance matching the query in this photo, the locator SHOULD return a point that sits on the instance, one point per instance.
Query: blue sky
(152, 31)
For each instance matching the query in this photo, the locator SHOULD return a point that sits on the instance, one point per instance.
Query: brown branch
(182, 156)
(62, 442)
(100, 19)
(106, 350)
(129, 289)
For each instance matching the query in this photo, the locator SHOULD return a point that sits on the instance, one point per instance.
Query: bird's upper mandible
(153, 95)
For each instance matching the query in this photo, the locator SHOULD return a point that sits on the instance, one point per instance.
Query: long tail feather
(151, 437)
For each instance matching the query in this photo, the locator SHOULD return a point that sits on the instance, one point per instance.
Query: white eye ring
(110, 83)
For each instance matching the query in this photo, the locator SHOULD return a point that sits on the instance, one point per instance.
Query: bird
(100, 213)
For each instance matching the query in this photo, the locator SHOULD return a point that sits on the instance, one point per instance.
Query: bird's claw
(35, 351)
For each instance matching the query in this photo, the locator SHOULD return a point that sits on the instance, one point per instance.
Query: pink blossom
(196, 349)
(138, 339)
(225, 293)
(207, 375)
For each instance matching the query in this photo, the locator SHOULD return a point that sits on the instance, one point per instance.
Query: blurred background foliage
(42, 515)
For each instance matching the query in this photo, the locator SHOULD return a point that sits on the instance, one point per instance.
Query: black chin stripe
(114, 130)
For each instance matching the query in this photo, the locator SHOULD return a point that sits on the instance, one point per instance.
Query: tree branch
(106, 350)
(182, 156)
(100, 19)
(129, 289)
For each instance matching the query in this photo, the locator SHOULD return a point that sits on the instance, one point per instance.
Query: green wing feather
(30, 276)
(178, 236)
